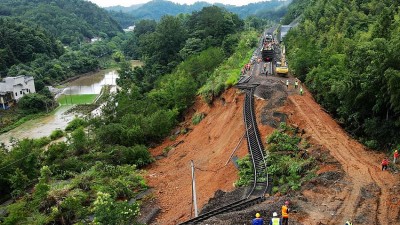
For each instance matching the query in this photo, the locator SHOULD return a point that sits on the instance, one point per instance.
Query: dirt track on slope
(370, 195)
(349, 182)
(365, 193)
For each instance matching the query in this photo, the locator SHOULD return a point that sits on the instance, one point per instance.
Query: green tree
(144, 27)
(108, 211)
(18, 181)
(79, 141)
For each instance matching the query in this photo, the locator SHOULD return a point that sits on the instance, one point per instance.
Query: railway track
(255, 147)
(260, 184)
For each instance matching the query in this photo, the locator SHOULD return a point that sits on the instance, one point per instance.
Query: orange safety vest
(285, 211)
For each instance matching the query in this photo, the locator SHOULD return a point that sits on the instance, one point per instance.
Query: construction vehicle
(267, 51)
(281, 67)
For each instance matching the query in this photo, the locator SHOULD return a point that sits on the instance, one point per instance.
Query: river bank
(85, 89)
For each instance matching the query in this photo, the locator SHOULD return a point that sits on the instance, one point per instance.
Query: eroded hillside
(349, 183)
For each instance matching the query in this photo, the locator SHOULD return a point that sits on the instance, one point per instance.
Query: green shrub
(108, 211)
(246, 173)
(288, 169)
(75, 124)
(197, 118)
(72, 207)
(41, 142)
(17, 213)
(79, 142)
(138, 155)
(55, 152)
(166, 150)
(56, 134)
(227, 74)
(372, 144)
(172, 137)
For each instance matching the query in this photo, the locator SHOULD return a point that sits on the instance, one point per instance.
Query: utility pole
(70, 95)
(196, 214)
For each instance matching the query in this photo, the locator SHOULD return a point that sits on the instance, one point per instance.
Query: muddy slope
(349, 183)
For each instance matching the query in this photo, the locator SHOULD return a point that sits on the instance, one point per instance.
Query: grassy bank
(76, 99)
(228, 73)
(19, 119)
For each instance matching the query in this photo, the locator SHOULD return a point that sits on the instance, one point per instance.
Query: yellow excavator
(281, 67)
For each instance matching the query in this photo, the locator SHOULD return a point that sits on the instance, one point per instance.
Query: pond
(91, 84)
(43, 126)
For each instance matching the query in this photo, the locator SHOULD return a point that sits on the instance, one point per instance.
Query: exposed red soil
(361, 166)
(366, 194)
(210, 144)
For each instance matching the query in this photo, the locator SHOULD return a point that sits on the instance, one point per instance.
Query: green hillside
(20, 43)
(157, 8)
(68, 20)
(95, 176)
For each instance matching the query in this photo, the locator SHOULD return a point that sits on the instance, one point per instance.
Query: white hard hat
(275, 214)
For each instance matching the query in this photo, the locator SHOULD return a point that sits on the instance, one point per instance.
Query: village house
(14, 88)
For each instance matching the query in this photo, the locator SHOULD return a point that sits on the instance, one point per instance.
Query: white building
(93, 40)
(130, 28)
(284, 30)
(14, 88)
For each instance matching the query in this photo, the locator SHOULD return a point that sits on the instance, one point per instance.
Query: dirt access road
(362, 192)
(365, 193)
(361, 166)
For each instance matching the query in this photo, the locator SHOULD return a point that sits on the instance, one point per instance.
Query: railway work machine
(267, 51)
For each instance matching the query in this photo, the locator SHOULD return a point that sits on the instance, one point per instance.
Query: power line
(14, 162)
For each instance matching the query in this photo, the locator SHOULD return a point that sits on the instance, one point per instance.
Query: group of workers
(385, 161)
(296, 84)
(246, 68)
(275, 220)
(284, 220)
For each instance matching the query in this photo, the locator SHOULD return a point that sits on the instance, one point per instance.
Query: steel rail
(256, 151)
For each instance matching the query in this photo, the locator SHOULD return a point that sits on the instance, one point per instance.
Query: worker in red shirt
(395, 156)
(385, 163)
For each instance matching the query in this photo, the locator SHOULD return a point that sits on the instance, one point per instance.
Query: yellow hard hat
(257, 215)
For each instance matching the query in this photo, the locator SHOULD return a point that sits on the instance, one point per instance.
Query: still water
(91, 84)
(43, 126)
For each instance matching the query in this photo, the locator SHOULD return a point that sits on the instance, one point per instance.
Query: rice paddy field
(76, 99)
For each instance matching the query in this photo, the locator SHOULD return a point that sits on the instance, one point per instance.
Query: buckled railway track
(260, 184)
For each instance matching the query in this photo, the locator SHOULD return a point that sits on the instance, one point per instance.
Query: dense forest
(51, 41)
(67, 20)
(154, 10)
(91, 177)
(347, 53)
(20, 43)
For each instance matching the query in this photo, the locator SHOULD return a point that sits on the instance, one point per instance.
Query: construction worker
(385, 163)
(296, 84)
(287, 84)
(275, 220)
(348, 222)
(395, 156)
(285, 213)
(265, 68)
(301, 90)
(258, 220)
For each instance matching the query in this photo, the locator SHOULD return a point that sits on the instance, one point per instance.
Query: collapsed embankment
(348, 184)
